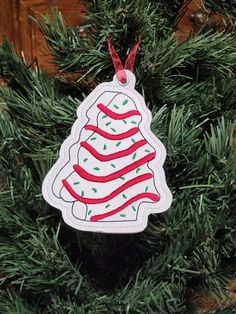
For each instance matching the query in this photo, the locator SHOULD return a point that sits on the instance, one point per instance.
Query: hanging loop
(129, 64)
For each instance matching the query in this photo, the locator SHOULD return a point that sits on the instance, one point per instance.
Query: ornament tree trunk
(190, 88)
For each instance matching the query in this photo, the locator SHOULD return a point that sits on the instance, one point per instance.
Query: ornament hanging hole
(126, 82)
(128, 77)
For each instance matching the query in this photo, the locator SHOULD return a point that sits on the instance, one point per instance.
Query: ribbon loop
(129, 64)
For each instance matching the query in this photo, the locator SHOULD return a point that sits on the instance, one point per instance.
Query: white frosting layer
(117, 103)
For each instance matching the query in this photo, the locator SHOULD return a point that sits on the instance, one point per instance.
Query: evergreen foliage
(46, 267)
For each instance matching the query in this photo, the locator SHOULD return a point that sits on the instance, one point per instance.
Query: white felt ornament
(109, 176)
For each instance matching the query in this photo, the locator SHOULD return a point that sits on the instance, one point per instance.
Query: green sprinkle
(147, 150)
(137, 170)
(75, 183)
(133, 140)
(122, 178)
(134, 209)
(134, 155)
(104, 116)
(93, 138)
(94, 190)
(124, 195)
(124, 121)
(116, 106)
(104, 147)
(113, 165)
(114, 130)
(118, 144)
(108, 123)
(85, 159)
(122, 215)
(108, 205)
(125, 102)
(89, 212)
(96, 168)
(146, 188)
(134, 122)
(82, 193)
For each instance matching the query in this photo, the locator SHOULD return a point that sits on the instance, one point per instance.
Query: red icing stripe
(90, 177)
(152, 196)
(113, 156)
(117, 116)
(120, 136)
(107, 198)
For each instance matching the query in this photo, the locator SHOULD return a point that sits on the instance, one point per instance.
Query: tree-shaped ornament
(109, 176)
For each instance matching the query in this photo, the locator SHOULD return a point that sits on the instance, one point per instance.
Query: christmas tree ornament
(109, 176)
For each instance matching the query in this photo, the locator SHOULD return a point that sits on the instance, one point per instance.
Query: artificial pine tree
(46, 267)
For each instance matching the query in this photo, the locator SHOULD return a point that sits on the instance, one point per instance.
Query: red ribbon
(129, 64)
